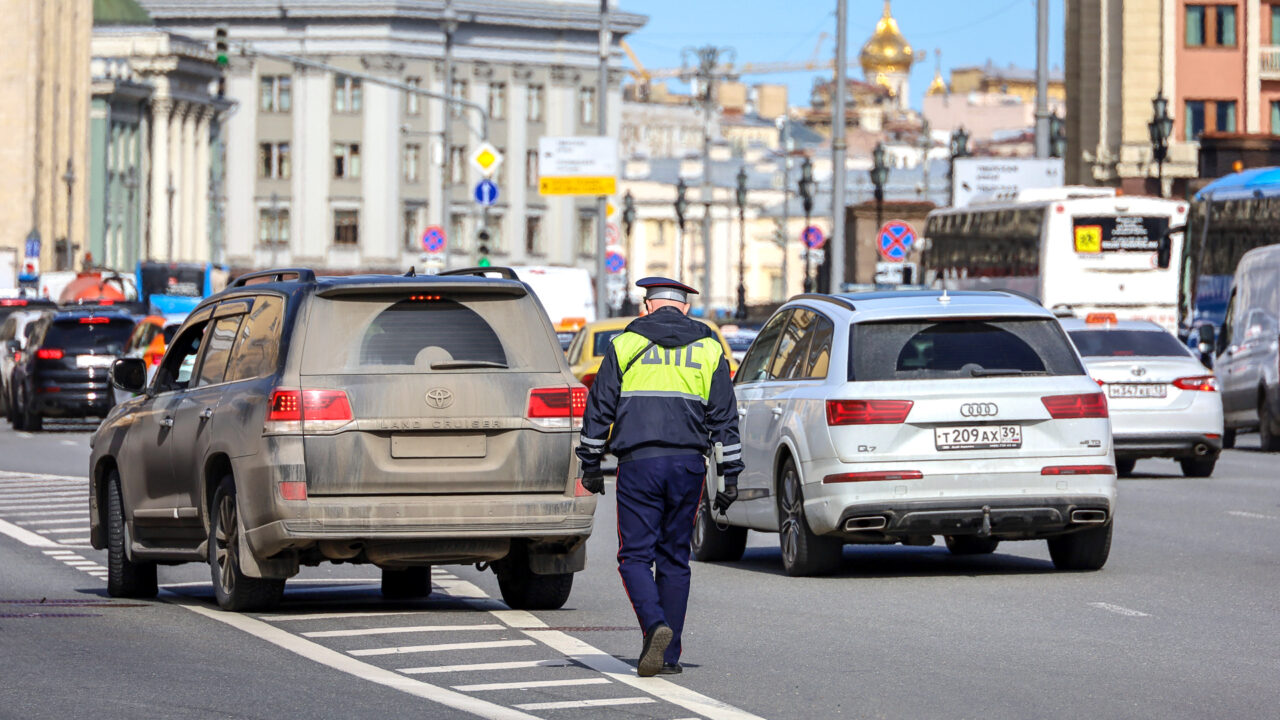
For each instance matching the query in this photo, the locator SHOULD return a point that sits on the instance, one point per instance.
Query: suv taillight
(558, 407)
(1204, 383)
(867, 412)
(49, 354)
(1072, 407)
(293, 411)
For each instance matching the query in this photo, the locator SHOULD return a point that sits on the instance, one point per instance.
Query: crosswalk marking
(280, 617)
(52, 522)
(84, 512)
(480, 667)
(601, 702)
(60, 531)
(396, 630)
(441, 647)
(530, 684)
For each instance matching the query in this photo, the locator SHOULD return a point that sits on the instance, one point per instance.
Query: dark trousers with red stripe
(657, 502)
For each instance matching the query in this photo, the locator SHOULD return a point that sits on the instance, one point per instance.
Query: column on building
(1254, 111)
(239, 230)
(518, 144)
(187, 185)
(316, 216)
(200, 250)
(560, 224)
(437, 154)
(381, 207)
(161, 111)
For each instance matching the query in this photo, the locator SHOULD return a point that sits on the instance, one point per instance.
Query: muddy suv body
(398, 421)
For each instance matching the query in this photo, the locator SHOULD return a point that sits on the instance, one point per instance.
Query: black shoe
(671, 669)
(655, 644)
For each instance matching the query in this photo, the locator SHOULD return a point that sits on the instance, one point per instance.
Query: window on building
(1225, 116)
(533, 235)
(1224, 33)
(412, 161)
(656, 232)
(273, 160)
(459, 233)
(459, 91)
(1193, 119)
(497, 238)
(531, 168)
(412, 100)
(457, 164)
(586, 234)
(348, 97)
(1196, 31)
(273, 226)
(275, 93)
(587, 105)
(1275, 24)
(1275, 117)
(537, 98)
(346, 227)
(411, 229)
(346, 160)
(497, 101)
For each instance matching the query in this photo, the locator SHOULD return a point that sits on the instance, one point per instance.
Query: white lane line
(1251, 515)
(442, 647)
(338, 661)
(64, 521)
(61, 531)
(396, 630)
(46, 513)
(1119, 610)
(76, 543)
(530, 684)
(14, 474)
(32, 504)
(461, 589)
(24, 536)
(82, 563)
(474, 667)
(568, 704)
(7, 496)
(280, 617)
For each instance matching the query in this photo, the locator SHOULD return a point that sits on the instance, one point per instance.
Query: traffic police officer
(662, 397)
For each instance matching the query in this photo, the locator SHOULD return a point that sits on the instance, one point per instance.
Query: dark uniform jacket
(664, 387)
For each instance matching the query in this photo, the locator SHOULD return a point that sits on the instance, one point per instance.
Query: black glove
(725, 498)
(593, 481)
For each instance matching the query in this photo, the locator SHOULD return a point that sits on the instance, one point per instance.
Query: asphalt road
(1183, 622)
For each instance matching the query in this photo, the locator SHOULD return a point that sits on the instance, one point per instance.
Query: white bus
(1083, 248)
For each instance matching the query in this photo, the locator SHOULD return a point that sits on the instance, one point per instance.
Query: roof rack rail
(277, 275)
(835, 299)
(1020, 294)
(505, 272)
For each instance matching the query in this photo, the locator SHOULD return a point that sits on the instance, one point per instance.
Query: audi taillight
(49, 354)
(1072, 407)
(1203, 383)
(880, 476)
(867, 412)
(293, 411)
(557, 407)
(1079, 470)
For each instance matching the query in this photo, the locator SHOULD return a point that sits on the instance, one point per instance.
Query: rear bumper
(1007, 518)
(1172, 445)
(72, 402)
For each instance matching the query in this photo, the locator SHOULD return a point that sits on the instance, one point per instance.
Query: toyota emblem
(439, 398)
(1138, 371)
(970, 410)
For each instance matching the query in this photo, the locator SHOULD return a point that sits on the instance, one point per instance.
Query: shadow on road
(869, 561)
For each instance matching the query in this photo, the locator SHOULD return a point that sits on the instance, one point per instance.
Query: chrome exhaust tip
(1088, 517)
(869, 522)
(1201, 449)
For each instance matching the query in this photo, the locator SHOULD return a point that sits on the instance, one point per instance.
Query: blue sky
(968, 32)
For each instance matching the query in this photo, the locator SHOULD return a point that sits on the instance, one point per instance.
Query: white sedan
(1163, 402)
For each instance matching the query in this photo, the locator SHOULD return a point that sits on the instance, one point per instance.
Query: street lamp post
(807, 186)
(1160, 127)
(628, 222)
(130, 221)
(172, 190)
(741, 197)
(705, 65)
(682, 206)
(959, 148)
(69, 177)
(879, 175)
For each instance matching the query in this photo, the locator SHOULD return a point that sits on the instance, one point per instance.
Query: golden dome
(938, 86)
(887, 50)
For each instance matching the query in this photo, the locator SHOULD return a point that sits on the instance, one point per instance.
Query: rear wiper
(458, 364)
(997, 372)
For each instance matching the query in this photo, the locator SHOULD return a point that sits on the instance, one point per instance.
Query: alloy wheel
(792, 516)
(227, 538)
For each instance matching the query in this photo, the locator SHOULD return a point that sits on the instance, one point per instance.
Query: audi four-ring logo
(979, 410)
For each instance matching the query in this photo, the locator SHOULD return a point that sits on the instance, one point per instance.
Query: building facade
(44, 79)
(326, 170)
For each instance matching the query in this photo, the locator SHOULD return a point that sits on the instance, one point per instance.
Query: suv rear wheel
(414, 582)
(713, 542)
(1198, 467)
(125, 578)
(1083, 549)
(523, 589)
(27, 419)
(803, 551)
(971, 544)
(1268, 426)
(1125, 466)
(1228, 438)
(234, 590)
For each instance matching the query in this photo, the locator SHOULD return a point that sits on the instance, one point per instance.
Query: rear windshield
(960, 348)
(1127, 343)
(107, 337)
(378, 335)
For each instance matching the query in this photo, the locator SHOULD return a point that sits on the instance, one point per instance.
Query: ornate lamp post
(959, 148)
(742, 243)
(628, 222)
(69, 177)
(682, 206)
(807, 187)
(879, 176)
(1160, 127)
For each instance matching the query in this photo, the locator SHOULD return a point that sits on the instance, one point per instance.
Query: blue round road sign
(433, 239)
(812, 237)
(895, 241)
(614, 262)
(486, 192)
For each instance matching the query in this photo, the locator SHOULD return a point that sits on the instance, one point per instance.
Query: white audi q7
(901, 416)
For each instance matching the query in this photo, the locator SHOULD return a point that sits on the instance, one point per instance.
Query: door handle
(206, 414)
(167, 421)
(777, 412)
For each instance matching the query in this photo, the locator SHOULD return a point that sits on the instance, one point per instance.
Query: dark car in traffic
(65, 367)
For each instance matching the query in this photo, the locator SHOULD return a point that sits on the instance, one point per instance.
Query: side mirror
(12, 346)
(129, 374)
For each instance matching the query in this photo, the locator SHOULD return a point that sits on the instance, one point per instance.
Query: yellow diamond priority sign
(486, 159)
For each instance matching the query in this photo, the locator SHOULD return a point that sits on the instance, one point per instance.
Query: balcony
(1270, 62)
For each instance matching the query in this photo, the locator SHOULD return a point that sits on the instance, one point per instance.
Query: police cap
(660, 288)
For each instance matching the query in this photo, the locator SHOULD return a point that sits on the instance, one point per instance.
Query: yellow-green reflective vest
(655, 371)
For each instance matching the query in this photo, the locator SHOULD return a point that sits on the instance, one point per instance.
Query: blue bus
(176, 288)
(1229, 217)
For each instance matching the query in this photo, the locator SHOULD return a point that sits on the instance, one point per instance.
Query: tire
(31, 421)
(1081, 550)
(1198, 467)
(1228, 438)
(414, 582)
(125, 578)
(713, 544)
(1124, 467)
(234, 590)
(803, 552)
(1268, 426)
(523, 589)
(971, 545)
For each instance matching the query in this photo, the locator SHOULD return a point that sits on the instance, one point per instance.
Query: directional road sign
(486, 158)
(895, 240)
(433, 239)
(812, 236)
(486, 192)
(614, 262)
(585, 165)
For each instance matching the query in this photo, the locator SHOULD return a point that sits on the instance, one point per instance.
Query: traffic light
(220, 45)
(482, 248)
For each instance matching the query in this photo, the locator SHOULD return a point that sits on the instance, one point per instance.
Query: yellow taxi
(586, 352)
